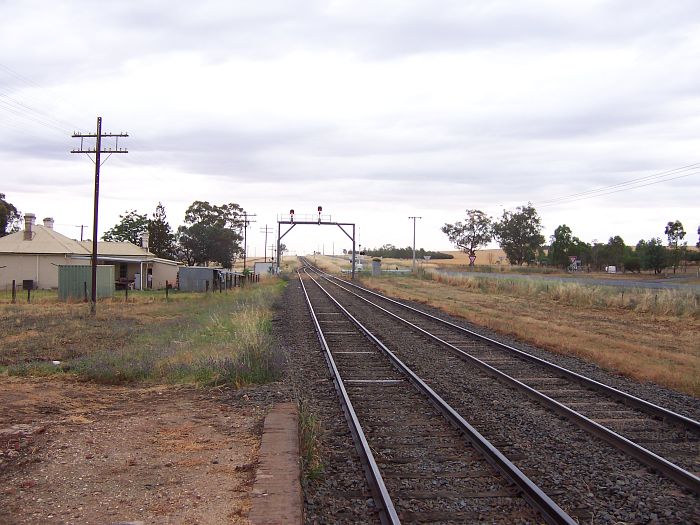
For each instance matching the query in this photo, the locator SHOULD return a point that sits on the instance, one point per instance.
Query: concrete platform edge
(277, 497)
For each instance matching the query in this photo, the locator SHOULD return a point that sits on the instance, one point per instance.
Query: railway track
(585, 476)
(661, 439)
(425, 462)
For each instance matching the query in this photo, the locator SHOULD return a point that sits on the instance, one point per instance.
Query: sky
(375, 110)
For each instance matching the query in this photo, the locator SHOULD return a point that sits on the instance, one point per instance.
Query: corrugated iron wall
(75, 279)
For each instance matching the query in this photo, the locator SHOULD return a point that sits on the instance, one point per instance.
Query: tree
(518, 234)
(652, 255)
(183, 252)
(161, 240)
(10, 217)
(563, 244)
(130, 228)
(583, 250)
(616, 249)
(474, 232)
(632, 262)
(213, 234)
(225, 216)
(675, 233)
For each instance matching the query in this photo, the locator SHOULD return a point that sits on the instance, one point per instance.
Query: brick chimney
(48, 223)
(29, 219)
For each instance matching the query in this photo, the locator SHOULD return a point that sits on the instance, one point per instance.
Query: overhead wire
(37, 113)
(631, 181)
(640, 182)
(32, 116)
(35, 95)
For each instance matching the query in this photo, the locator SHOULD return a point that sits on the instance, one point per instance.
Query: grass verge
(208, 339)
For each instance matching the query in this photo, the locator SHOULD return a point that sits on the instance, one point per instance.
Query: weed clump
(310, 433)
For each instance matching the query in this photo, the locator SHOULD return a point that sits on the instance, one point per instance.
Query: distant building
(36, 252)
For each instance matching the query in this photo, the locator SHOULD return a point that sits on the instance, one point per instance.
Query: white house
(36, 252)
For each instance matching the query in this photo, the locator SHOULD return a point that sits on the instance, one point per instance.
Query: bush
(632, 264)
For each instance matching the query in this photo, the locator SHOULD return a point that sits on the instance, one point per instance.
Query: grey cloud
(220, 30)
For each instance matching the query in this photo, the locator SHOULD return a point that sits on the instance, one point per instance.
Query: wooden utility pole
(97, 150)
(246, 222)
(414, 241)
(266, 230)
(82, 227)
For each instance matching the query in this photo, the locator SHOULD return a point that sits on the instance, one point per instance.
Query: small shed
(200, 278)
(75, 281)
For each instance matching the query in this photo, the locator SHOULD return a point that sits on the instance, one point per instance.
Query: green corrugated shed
(72, 279)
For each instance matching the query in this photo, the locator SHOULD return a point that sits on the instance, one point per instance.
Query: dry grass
(331, 264)
(201, 338)
(663, 348)
(662, 302)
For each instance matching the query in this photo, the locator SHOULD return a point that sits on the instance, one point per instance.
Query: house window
(122, 270)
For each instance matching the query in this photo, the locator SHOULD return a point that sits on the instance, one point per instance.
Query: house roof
(49, 241)
(117, 248)
(44, 241)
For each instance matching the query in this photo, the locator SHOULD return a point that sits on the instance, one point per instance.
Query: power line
(35, 116)
(640, 182)
(20, 106)
(38, 96)
(97, 150)
(620, 190)
(631, 181)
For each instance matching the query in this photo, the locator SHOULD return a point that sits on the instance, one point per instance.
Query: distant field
(483, 257)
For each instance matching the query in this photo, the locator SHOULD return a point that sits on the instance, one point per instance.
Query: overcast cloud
(375, 110)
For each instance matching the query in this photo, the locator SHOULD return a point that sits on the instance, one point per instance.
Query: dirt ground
(83, 453)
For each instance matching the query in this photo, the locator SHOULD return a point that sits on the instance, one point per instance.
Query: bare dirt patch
(75, 452)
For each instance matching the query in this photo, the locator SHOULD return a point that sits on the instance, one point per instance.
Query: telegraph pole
(266, 230)
(246, 222)
(414, 241)
(97, 150)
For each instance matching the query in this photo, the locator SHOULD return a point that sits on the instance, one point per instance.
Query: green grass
(207, 339)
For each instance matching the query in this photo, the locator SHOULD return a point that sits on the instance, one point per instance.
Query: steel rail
(385, 506)
(550, 511)
(629, 399)
(645, 456)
